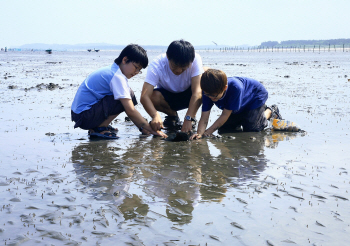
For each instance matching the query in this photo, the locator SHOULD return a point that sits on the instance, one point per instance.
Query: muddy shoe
(172, 122)
(284, 125)
(275, 112)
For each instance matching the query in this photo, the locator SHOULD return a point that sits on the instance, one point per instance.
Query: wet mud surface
(269, 188)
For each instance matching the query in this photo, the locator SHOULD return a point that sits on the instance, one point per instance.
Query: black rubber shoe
(172, 122)
(275, 112)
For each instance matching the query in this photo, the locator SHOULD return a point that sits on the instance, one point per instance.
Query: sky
(159, 22)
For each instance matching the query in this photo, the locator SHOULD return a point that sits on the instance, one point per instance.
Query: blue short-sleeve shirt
(103, 82)
(241, 94)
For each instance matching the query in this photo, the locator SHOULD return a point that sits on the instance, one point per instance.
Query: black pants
(99, 112)
(251, 120)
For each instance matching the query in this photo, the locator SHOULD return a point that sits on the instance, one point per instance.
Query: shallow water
(270, 188)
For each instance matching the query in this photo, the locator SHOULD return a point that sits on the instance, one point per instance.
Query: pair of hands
(199, 136)
(163, 135)
(157, 124)
(155, 133)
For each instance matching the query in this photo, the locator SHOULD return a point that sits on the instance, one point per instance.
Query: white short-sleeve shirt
(119, 86)
(160, 75)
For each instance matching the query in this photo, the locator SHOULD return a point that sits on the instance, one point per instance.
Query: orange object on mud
(284, 125)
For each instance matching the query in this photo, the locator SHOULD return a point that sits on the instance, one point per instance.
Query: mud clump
(53, 62)
(49, 86)
(11, 87)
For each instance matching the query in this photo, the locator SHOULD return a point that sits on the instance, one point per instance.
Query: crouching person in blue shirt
(105, 94)
(242, 101)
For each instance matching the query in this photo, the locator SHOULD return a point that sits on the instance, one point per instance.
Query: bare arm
(195, 102)
(219, 122)
(137, 118)
(146, 94)
(203, 122)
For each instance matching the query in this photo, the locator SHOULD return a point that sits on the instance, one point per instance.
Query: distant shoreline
(308, 43)
(253, 49)
(333, 43)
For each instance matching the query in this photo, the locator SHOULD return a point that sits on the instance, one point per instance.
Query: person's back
(94, 88)
(242, 94)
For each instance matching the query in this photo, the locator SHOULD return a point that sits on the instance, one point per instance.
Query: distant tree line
(340, 42)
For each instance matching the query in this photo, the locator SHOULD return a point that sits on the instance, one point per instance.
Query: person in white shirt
(105, 93)
(173, 83)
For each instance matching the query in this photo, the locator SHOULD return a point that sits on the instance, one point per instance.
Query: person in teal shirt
(105, 94)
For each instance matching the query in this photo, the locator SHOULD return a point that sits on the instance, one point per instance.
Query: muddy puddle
(269, 188)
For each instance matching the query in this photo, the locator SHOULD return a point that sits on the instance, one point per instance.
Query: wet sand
(270, 188)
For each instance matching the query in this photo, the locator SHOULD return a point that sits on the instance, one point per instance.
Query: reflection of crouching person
(241, 99)
(106, 93)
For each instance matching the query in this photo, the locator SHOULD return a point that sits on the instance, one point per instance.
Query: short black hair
(181, 52)
(135, 53)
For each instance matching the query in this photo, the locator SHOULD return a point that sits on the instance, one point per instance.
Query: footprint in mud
(319, 224)
(241, 200)
(237, 225)
(15, 199)
(340, 197)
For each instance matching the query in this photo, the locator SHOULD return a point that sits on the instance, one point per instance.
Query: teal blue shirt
(104, 81)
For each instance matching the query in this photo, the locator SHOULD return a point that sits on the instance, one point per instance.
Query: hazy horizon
(26, 46)
(95, 45)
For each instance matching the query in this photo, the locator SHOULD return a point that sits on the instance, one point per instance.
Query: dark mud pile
(268, 188)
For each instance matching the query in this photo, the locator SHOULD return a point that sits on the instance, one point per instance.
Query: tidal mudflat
(271, 188)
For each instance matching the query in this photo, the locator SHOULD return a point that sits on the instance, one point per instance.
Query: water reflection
(106, 174)
(170, 178)
(174, 178)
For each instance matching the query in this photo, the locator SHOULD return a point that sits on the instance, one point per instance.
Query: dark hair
(180, 52)
(213, 81)
(134, 53)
